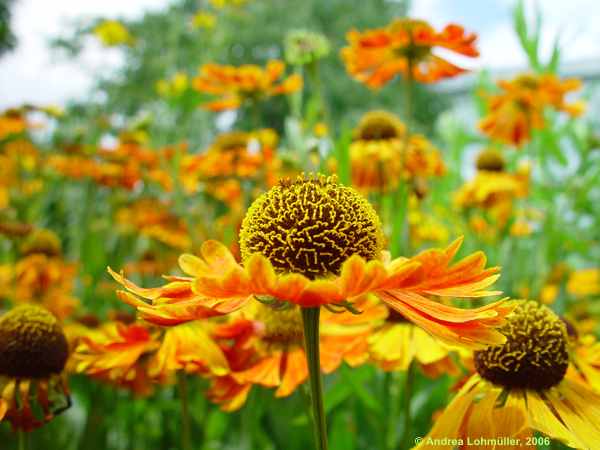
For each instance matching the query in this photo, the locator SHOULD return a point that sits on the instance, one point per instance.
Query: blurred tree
(167, 42)
(8, 39)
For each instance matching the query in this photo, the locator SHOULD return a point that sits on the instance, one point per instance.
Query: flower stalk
(186, 436)
(310, 320)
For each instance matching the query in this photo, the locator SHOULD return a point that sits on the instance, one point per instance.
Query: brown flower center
(534, 355)
(311, 225)
(32, 343)
(379, 125)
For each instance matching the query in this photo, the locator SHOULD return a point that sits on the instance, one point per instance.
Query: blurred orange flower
(266, 348)
(134, 356)
(151, 217)
(237, 85)
(381, 157)
(518, 108)
(376, 56)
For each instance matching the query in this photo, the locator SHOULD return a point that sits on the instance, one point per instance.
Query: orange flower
(152, 218)
(376, 56)
(232, 157)
(12, 121)
(380, 156)
(312, 242)
(236, 85)
(135, 356)
(266, 348)
(42, 276)
(519, 108)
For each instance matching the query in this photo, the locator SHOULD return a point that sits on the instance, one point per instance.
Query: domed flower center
(379, 125)
(490, 160)
(535, 354)
(32, 343)
(281, 327)
(234, 140)
(41, 241)
(311, 225)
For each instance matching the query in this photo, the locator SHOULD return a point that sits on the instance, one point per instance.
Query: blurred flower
(134, 356)
(113, 33)
(519, 108)
(248, 83)
(374, 57)
(204, 19)
(174, 86)
(266, 348)
(425, 227)
(398, 342)
(380, 159)
(493, 189)
(584, 282)
(521, 387)
(42, 276)
(375, 152)
(520, 228)
(152, 218)
(12, 121)
(305, 47)
(219, 4)
(34, 353)
(231, 158)
(341, 261)
(321, 130)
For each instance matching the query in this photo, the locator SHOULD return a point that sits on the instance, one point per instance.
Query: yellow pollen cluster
(491, 160)
(379, 125)
(311, 225)
(281, 327)
(535, 354)
(32, 343)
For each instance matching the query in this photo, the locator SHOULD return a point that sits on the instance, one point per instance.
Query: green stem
(392, 392)
(400, 230)
(410, 374)
(186, 436)
(22, 440)
(310, 319)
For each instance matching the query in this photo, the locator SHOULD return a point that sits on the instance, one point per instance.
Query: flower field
(293, 226)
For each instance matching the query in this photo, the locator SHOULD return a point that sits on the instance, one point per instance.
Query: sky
(33, 74)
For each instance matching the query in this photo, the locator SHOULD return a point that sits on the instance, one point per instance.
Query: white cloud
(29, 74)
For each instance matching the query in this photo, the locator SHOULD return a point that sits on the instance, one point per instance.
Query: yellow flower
(493, 189)
(220, 4)
(520, 387)
(174, 86)
(313, 242)
(584, 282)
(113, 33)
(398, 342)
(203, 19)
(34, 352)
